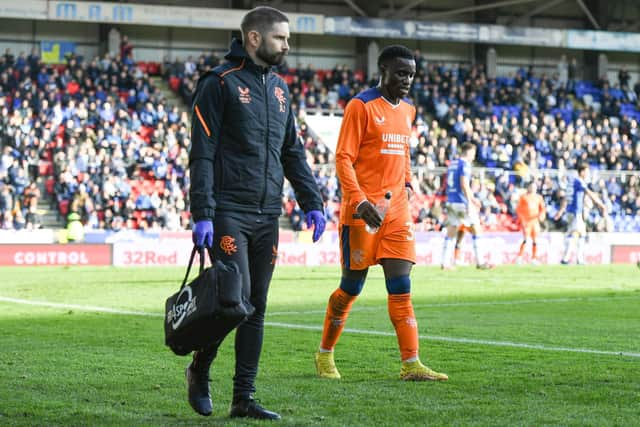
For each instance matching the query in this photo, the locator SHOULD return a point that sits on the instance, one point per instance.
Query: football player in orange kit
(373, 158)
(531, 211)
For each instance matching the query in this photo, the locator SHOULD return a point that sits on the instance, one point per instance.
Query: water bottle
(382, 206)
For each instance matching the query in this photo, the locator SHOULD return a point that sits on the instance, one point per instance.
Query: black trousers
(251, 241)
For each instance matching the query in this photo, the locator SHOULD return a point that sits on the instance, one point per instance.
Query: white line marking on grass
(89, 308)
(463, 340)
(464, 304)
(96, 309)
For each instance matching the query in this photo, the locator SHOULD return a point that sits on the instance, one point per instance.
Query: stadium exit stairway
(170, 96)
(48, 216)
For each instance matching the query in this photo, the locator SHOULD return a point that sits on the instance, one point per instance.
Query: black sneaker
(198, 391)
(249, 408)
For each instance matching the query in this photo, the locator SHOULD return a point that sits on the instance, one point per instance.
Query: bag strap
(192, 257)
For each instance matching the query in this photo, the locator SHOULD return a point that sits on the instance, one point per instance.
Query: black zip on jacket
(244, 142)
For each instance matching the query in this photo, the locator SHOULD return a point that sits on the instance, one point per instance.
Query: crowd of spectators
(98, 136)
(107, 146)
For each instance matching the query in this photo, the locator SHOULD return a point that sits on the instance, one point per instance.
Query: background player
(576, 228)
(372, 158)
(462, 206)
(531, 212)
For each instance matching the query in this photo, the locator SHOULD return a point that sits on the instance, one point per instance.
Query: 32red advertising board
(71, 254)
(625, 254)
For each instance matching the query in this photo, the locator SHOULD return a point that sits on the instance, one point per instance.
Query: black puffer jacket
(244, 142)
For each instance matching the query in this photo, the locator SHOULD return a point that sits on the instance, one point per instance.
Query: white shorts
(575, 224)
(460, 214)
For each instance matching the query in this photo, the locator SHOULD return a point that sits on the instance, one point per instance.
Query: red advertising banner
(71, 254)
(625, 254)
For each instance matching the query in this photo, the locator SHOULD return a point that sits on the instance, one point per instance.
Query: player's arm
(208, 110)
(521, 209)
(596, 200)
(352, 131)
(562, 208)
(297, 170)
(542, 209)
(465, 185)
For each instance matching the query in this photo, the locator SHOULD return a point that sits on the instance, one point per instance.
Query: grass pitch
(522, 346)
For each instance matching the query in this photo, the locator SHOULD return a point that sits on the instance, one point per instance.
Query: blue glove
(317, 219)
(202, 234)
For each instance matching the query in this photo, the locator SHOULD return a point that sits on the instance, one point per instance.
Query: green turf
(72, 366)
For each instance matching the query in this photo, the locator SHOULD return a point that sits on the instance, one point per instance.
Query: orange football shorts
(360, 249)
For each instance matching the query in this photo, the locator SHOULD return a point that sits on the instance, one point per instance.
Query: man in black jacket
(244, 143)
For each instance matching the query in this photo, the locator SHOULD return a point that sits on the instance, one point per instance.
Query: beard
(271, 58)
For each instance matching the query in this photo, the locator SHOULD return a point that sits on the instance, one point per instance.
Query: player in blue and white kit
(573, 205)
(462, 206)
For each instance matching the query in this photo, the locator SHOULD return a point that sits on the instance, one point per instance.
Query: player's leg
(476, 239)
(453, 221)
(535, 230)
(338, 308)
(581, 228)
(568, 238)
(447, 249)
(398, 283)
(459, 237)
(262, 254)
(572, 230)
(357, 250)
(523, 244)
(230, 244)
(397, 254)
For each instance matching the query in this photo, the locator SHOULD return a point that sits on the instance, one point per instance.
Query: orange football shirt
(530, 207)
(373, 155)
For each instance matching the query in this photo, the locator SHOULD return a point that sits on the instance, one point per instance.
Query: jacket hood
(237, 51)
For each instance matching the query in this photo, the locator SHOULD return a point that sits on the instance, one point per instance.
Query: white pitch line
(462, 304)
(96, 309)
(464, 340)
(89, 308)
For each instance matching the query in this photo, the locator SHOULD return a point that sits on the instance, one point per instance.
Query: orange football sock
(404, 322)
(338, 309)
(456, 255)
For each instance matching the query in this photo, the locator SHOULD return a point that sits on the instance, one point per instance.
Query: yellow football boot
(326, 367)
(416, 371)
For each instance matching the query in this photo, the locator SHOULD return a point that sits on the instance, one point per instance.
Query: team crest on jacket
(228, 245)
(280, 97)
(244, 96)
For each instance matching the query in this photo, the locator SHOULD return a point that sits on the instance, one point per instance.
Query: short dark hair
(582, 167)
(394, 51)
(466, 147)
(261, 19)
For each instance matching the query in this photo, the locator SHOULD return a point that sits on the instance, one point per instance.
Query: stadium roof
(611, 15)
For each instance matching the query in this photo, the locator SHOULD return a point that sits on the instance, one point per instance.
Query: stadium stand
(525, 127)
(100, 137)
(106, 144)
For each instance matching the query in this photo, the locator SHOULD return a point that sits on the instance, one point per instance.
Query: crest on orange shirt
(357, 255)
(228, 245)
